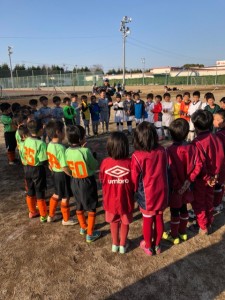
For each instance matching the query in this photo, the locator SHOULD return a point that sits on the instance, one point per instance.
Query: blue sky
(85, 33)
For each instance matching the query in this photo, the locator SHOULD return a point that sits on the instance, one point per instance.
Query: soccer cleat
(33, 215)
(183, 236)
(123, 249)
(218, 208)
(167, 236)
(157, 249)
(91, 238)
(115, 248)
(147, 251)
(43, 219)
(83, 231)
(191, 214)
(51, 219)
(70, 222)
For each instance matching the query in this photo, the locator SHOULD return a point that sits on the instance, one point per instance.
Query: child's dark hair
(150, 96)
(43, 98)
(222, 100)
(102, 90)
(187, 94)
(33, 102)
(73, 95)
(166, 95)
(75, 134)
(118, 145)
(209, 96)
(4, 106)
(15, 107)
(56, 99)
(179, 129)
(23, 131)
(19, 118)
(196, 93)
(136, 94)
(145, 137)
(66, 99)
(179, 95)
(34, 126)
(93, 97)
(159, 97)
(118, 96)
(128, 94)
(83, 97)
(53, 127)
(221, 112)
(202, 119)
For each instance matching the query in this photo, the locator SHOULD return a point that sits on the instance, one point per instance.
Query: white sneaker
(219, 208)
(70, 222)
(51, 219)
(191, 214)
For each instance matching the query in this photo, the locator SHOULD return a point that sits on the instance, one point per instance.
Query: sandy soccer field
(49, 261)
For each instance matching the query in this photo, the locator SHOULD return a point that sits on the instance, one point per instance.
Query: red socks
(148, 231)
(65, 211)
(53, 202)
(115, 227)
(42, 207)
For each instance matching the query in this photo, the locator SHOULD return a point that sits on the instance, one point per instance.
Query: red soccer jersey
(117, 187)
(157, 110)
(185, 164)
(184, 110)
(221, 135)
(150, 178)
(211, 153)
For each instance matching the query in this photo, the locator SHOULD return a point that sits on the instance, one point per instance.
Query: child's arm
(67, 171)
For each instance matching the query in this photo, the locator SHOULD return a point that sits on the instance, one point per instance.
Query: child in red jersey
(157, 111)
(212, 155)
(149, 175)
(219, 124)
(118, 189)
(185, 165)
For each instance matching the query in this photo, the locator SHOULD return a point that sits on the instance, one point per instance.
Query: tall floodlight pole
(10, 52)
(143, 69)
(125, 31)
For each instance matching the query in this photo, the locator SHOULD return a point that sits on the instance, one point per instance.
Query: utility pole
(10, 52)
(125, 31)
(143, 69)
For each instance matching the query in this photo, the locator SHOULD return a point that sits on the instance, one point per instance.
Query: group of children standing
(183, 173)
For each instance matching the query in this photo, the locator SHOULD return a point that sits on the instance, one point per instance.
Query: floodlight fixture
(10, 52)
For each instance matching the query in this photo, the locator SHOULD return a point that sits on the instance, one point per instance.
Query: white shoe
(70, 222)
(219, 208)
(51, 219)
(191, 214)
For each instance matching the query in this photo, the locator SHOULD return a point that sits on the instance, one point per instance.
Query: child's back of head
(75, 134)
(54, 128)
(179, 129)
(118, 145)
(145, 137)
(202, 120)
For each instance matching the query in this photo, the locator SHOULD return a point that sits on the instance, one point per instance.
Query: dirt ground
(50, 261)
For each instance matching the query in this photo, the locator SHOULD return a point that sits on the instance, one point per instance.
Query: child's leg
(39, 180)
(81, 217)
(147, 230)
(114, 228)
(53, 202)
(107, 125)
(159, 227)
(166, 132)
(175, 222)
(10, 142)
(218, 195)
(121, 126)
(124, 229)
(183, 219)
(209, 205)
(91, 222)
(65, 209)
(118, 126)
(31, 204)
(129, 126)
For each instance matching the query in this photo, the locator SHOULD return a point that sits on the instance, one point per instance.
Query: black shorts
(10, 140)
(62, 185)
(35, 177)
(85, 193)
